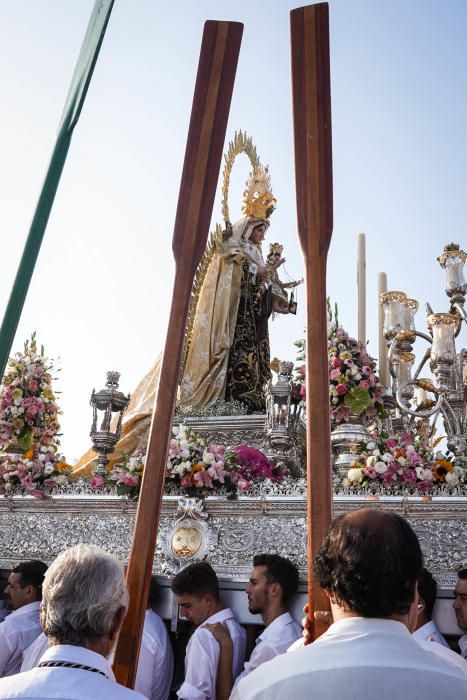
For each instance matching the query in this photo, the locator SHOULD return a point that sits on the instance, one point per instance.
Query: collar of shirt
(463, 645)
(78, 655)
(365, 625)
(274, 628)
(26, 609)
(221, 616)
(423, 632)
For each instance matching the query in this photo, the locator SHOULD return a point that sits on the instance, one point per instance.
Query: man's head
(427, 595)
(196, 589)
(460, 600)
(273, 582)
(25, 584)
(369, 564)
(84, 599)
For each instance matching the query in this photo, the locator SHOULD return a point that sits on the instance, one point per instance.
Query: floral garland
(196, 467)
(29, 425)
(406, 461)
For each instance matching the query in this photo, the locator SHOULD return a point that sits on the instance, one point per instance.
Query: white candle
(383, 357)
(361, 284)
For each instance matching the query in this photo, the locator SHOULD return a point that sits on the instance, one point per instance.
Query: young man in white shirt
(426, 629)
(272, 583)
(196, 589)
(21, 627)
(368, 566)
(84, 601)
(460, 608)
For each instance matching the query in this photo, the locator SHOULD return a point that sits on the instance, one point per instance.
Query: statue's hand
(276, 264)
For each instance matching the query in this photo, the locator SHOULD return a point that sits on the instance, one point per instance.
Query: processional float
(211, 103)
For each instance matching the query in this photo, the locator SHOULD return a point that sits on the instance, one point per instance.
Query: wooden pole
(211, 103)
(74, 103)
(313, 176)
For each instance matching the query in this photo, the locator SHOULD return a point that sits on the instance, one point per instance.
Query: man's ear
(330, 595)
(275, 589)
(117, 623)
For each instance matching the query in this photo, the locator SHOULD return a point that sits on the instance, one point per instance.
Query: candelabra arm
(461, 309)
(423, 362)
(419, 414)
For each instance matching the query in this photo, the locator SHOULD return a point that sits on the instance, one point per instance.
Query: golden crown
(258, 200)
(275, 248)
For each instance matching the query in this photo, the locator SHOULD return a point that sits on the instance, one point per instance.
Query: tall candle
(383, 356)
(361, 284)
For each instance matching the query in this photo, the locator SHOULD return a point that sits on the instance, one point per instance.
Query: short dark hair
(279, 570)
(370, 561)
(462, 573)
(31, 574)
(196, 579)
(427, 590)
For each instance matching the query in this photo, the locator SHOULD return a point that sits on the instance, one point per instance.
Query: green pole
(73, 105)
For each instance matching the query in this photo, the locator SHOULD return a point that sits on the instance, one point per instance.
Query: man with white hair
(84, 602)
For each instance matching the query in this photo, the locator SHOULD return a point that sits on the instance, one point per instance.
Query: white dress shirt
(155, 663)
(67, 683)
(202, 658)
(356, 659)
(463, 646)
(17, 631)
(156, 660)
(430, 633)
(3, 611)
(274, 640)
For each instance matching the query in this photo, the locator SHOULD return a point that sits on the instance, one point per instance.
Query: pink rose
(96, 482)
(365, 384)
(335, 373)
(341, 389)
(130, 481)
(185, 482)
(33, 386)
(336, 362)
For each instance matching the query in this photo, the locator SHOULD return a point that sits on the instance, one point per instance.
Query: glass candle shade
(452, 260)
(409, 309)
(443, 328)
(406, 360)
(392, 303)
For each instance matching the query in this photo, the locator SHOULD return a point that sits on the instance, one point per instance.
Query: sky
(100, 295)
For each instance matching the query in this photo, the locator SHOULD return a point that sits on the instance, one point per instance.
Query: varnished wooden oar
(211, 103)
(313, 176)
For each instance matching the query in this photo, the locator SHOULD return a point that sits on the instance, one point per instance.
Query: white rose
(185, 453)
(428, 474)
(208, 457)
(381, 467)
(387, 457)
(48, 469)
(370, 461)
(132, 464)
(354, 475)
(42, 457)
(452, 479)
(175, 430)
(420, 472)
(183, 445)
(371, 446)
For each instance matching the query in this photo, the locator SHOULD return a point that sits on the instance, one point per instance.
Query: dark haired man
(196, 589)
(368, 565)
(23, 597)
(460, 608)
(272, 583)
(426, 629)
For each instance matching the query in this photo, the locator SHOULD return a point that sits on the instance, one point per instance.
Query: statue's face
(258, 233)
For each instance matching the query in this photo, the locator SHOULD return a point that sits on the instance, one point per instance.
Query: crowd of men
(61, 625)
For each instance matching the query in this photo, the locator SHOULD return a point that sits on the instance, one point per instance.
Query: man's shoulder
(41, 683)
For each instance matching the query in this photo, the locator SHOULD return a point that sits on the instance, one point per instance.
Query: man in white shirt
(23, 597)
(426, 629)
(460, 608)
(155, 664)
(84, 602)
(368, 566)
(196, 589)
(272, 583)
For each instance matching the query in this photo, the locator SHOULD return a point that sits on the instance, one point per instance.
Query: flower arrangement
(406, 461)
(28, 409)
(29, 425)
(354, 387)
(196, 467)
(126, 474)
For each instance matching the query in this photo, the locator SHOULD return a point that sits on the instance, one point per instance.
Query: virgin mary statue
(226, 354)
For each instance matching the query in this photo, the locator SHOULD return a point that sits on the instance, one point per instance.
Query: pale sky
(101, 290)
